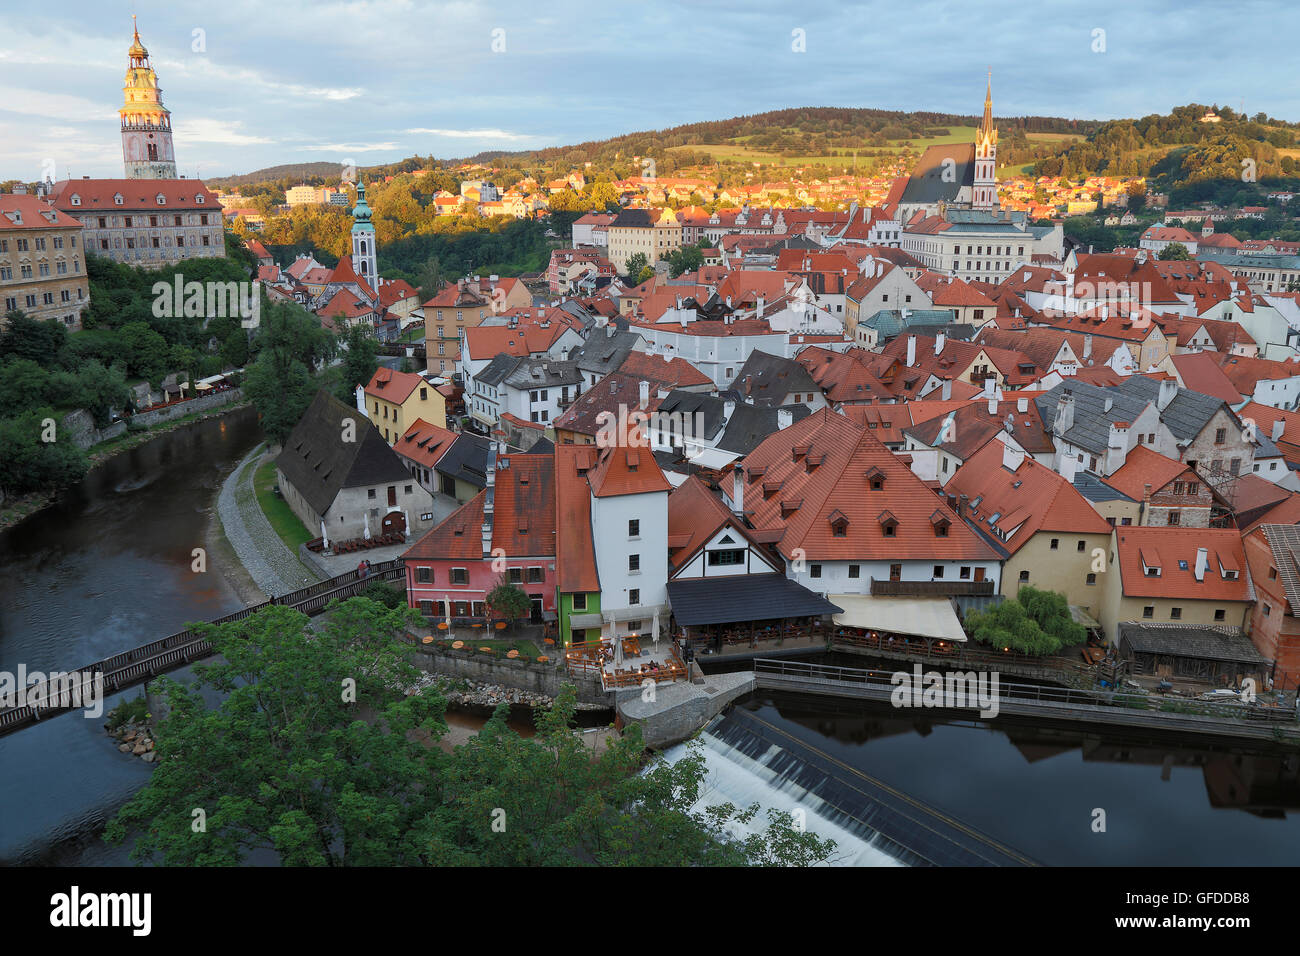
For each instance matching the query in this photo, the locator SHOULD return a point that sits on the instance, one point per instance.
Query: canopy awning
(932, 617)
(731, 599)
(585, 620)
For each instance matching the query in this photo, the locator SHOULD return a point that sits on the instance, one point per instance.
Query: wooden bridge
(147, 661)
(1120, 708)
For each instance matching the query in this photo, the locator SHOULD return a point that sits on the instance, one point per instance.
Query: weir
(751, 761)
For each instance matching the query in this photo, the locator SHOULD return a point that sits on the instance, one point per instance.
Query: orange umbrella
(427, 639)
(442, 625)
(501, 625)
(512, 653)
(458, 644)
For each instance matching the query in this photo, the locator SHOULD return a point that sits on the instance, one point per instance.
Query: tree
(100, 390)
(144, 351)
(1174, 250)
(636, 263)
(507, 601)
(33, 339)
(360, 360)
(1034, 622)
(645, 275)
(29, 463)
(286, 762)
(279, 395)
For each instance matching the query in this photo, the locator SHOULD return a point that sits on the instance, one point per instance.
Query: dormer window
(799, 451)
(162, 200)
(76, 200)
(939, 521)
(888, 524)
(770, 488)
(875, 478)
(199, 198)
(839, 524)
(117, 199)
(790, 507)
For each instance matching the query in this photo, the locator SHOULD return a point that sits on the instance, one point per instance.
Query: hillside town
(910, 418)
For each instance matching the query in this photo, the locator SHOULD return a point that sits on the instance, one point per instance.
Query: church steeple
(364, 254)
(985, 186)
(146, 124)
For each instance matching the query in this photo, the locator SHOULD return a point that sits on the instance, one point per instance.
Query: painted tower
(985, 194)
(364, 262)
(146, 124)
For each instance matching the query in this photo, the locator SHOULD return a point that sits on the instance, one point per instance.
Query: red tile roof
(1165, 548)
(31, 212)
(137, 194)
(424, 443)
(1142, 467)
(696, 514)
(393, 386)
(575, 549)
(628, 468)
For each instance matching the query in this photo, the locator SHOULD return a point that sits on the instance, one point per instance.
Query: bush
(129, 711)
(384, 593)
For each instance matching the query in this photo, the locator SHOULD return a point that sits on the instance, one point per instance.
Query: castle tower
(985, 191)
(364, 261)
(146, 124)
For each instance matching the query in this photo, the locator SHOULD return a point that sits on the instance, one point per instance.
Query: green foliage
(287, 763)
(25, 337)
(637, 263)
(507, 600)
(385, 593)
(280, 395)
(29, 464)
(685, 259)
(135, 710)
(1035, 622)
(1175, 250)
(360, 360)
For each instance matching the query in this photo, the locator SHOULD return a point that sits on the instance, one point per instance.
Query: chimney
(1168, 389)
(1022, 405)
(961, 505)
(644, 394)
(1087, 346)
(1064, 420)
(738, 491)
(784, 418)
(1067, 468)
(1118, 435)
(759, 314)
(938, 344)
(911, 351)
(1202, 563)
(945, 390)
(1108, 404)
(728, 409)
(1278, 427)
(1012, 458)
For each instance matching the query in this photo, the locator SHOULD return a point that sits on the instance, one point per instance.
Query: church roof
(928, 184)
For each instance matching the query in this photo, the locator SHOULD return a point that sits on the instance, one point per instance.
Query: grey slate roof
(467, 459)
(1206, 642)
(749, 425)
(767, 379)
(1186, 415)
(319, 464)
(1094, 489)
(543, 373)
(1091, 429)
(604, 350)
(1284, 541)
(688, 404)
(927, 184)
(495, 372)
(743, 597)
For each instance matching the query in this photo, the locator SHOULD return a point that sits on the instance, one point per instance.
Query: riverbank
(22, 507)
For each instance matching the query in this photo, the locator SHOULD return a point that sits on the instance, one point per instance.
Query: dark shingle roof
(743, 597)
(1094, 489)
(467, 459)
(685, 403)
(1202, 641)
(495, 372)
(1186, 415)
(1091, 429)
(928, 184)
(543, 373)
(749, 425)
(767, 379)
(604, 350)
(319, 464)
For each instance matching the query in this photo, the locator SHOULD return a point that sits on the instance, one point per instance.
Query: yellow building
(42, 261)
(395, 400)
(652, 233)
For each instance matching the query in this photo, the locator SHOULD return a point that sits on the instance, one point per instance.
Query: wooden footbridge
(147, 661)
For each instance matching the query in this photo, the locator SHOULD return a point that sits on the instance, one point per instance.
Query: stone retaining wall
(82, 430)
(532, 676)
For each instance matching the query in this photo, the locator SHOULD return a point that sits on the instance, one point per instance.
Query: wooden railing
(185, 647)
(883, 588)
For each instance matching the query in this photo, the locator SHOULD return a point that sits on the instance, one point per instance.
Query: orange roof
(31, 212)
(486, 341)
(137, 194)
(798, 478)
(1141, 467)
(1030, 499)
(696, 514)
(424, 443)
(1174, 547)
(393, 386)
(627, 468)
(665, 371)
(575, 548)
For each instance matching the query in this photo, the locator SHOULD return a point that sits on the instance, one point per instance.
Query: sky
(254, 84)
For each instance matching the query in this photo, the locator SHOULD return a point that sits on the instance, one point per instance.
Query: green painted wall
(566, 609)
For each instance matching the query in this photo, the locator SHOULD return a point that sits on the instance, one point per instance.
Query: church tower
(146, 123)
(985, 191)
(364, 261)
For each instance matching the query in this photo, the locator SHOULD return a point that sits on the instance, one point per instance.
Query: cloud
(472, 134)
(202, 130)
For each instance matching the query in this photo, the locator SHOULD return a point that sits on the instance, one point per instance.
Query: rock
(150, 757)
(139, 749)
(125, 748)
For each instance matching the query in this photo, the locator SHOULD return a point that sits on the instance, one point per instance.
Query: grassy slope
(286, 524)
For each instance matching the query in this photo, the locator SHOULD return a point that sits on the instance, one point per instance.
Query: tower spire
(986, 127)
(146, 124)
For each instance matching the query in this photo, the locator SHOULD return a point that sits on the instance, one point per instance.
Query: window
(406, 489)
(1056, 543)
(1149, 611)
(855, 570)
(634, 528)
(535, 575)
(580, 602)
(516, 575)
(1175, 517)
(1175, 613)
(633, 563)
(1024, 576)
(730, 556)
(938, 570)
(426, 608)
(1091, 579)
(1193, 488)
(459, 576)
(814, 570)
(1220, 436)
(1219, 614)
(1179, 487)
(634, 597)
(424, 575)
(370, 493)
